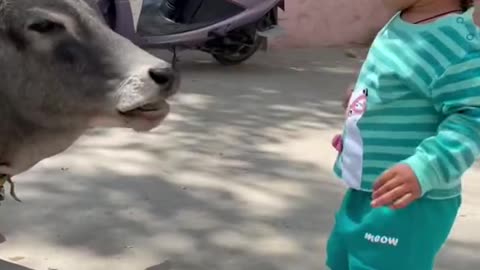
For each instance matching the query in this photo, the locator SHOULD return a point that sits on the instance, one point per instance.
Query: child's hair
(466, 4)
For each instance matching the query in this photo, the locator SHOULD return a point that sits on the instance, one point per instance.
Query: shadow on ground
(217, 187)
(4, 265)
(238, 178)
(459, 255)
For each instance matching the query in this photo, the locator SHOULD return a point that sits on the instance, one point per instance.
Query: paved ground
(238, 178)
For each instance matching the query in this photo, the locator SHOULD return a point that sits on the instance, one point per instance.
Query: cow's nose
(166, 78)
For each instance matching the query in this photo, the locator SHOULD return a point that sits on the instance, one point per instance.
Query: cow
(64, 71)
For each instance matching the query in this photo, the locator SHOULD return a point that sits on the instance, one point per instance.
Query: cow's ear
(10, 30)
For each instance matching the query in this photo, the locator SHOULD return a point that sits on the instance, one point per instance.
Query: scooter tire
(232, 60)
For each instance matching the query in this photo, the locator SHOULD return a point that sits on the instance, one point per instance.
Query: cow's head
(61, 66)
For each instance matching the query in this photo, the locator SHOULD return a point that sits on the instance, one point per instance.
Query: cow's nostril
(162, 76)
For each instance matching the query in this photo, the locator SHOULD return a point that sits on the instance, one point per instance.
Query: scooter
(231, 31)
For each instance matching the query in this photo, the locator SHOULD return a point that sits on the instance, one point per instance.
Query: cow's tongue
(151, 111)
(151, 107)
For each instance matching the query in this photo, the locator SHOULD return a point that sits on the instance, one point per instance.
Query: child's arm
(441, 160)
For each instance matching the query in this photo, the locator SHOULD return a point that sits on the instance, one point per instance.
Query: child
(412, 130)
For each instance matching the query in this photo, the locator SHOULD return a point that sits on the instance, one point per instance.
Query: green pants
(364, 238)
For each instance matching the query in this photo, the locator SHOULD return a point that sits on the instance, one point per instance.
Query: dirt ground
(238, 178)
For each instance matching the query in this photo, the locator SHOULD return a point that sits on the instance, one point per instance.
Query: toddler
(412, 130)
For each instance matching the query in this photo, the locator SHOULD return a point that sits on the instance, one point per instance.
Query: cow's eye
(46, 26)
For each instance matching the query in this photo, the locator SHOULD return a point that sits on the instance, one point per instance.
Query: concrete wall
(313, 23)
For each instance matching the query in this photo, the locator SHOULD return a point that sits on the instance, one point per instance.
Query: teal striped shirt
(416, 102)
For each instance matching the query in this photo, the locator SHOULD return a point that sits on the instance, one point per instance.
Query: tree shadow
(238, 177)
(167, 265)
(459, 255)
(4, 265)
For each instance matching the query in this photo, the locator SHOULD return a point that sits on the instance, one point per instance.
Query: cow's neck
(23, 143)
(7, 131)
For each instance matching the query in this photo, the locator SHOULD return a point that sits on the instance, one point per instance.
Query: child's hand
(337, 143)
(397, 188)
(337, 140)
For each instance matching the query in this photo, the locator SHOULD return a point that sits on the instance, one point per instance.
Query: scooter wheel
(239, 56)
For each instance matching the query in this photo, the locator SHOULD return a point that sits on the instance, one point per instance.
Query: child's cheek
(397, 5)
(476, 14)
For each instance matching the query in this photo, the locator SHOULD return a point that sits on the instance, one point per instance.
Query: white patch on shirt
(352, 155)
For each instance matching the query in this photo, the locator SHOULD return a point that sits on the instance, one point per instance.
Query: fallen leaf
(17, 258)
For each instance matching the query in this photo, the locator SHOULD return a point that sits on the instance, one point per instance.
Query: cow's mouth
(154, 111)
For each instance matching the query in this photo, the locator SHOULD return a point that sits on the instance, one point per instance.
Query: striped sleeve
(440, 161)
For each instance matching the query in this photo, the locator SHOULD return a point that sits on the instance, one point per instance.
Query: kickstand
(174, 58)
